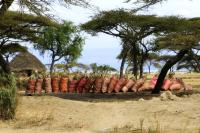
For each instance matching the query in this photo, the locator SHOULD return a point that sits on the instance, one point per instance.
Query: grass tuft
(34, 121)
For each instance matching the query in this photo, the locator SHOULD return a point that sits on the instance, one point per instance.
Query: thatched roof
(26, 61)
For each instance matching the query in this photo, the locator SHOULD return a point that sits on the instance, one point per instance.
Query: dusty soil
(166, 113)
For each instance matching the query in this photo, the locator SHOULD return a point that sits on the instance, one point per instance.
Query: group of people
(86, 84)
(170, 83)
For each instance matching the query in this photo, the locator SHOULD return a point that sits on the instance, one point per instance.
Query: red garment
(64, 84)
(154, 80)
(81, 84)
(166, 85)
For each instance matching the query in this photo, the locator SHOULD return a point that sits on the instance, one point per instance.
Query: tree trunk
(51, 67)
(135, 65)
(7, 58)
(52, 64)
(4, 65)
(166, 68)
(149, 68)
(141, 69)
(142, 64)
(122, 65)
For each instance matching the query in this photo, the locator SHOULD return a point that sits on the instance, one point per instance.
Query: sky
(103, 49)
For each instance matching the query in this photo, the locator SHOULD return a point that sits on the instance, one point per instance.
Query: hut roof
(26, 61)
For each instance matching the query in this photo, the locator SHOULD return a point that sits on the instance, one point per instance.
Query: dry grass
(53, 114)
(36, 120)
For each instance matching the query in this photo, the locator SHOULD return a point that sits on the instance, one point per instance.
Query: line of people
(100, 84)
(170, 83)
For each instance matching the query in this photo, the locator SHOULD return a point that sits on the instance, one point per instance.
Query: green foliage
(121, 23)
(132, 29)
(39, 7)
(64, 41)
(185, 37)
(12, 48)
(21, 26)
(69, 66)
(171, 33)
(7, 96)
(101, 69)
(185, 34)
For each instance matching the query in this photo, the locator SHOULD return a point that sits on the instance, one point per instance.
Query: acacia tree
(130, 28)
(172, 33)
(15, 28)
(183, 39)
(123, 55)
(124, 25)
(62, 42)
(126, 56)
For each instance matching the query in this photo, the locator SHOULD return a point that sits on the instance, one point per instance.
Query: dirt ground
(166, 113)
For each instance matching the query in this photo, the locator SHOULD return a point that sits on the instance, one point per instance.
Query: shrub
(21, 83)
(7, 96)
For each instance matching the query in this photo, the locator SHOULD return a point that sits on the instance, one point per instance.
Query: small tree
(63, 42)
(101, 69)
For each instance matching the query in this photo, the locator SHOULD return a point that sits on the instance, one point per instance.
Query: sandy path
(52, 114)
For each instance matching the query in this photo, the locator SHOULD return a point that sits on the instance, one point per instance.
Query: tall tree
(182, 39)
(64, 41)
(172, 33)
(123, 55)
(130, 28)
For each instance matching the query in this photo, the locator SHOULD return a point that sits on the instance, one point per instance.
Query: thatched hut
(26, 63)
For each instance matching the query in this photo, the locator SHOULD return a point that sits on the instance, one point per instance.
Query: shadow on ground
(99, 97)
(112, 97)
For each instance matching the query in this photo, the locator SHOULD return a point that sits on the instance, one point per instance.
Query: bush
(21, 83)
(7, 96)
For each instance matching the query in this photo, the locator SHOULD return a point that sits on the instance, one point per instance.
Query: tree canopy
(22, 26)
(171, 33)
(132, 29)
(39, 7)
(64, 41)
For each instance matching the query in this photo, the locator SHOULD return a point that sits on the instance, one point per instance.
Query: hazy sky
(103, 49)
